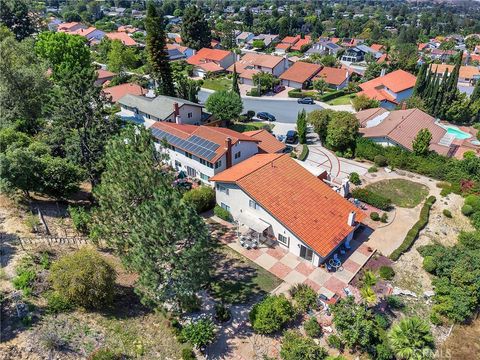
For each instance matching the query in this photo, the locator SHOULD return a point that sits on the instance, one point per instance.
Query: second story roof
(301, 72)
(396, 81)
(208, 55)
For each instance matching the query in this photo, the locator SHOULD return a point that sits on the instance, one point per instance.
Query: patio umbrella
(182, 175)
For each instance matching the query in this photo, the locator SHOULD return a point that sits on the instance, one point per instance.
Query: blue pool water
(459, 134)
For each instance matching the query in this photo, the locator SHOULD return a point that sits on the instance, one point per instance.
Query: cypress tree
(438, 108)
(421, 80)
(195, 30)
(235, 86)
(156, 53)
(476, 92)
(428, 85)
(433, 95)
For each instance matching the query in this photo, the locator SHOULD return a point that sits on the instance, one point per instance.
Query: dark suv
(291, 137)
(266, 116)
(306, 100)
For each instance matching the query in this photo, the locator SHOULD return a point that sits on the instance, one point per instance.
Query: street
(285, 111)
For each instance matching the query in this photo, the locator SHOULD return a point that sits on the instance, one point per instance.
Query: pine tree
(421, 80)
(438, 108)
(195, 30)
(156, 53)
(476, 92)
(433, 95)
(302, 127)
(248, 17)
(235, 86)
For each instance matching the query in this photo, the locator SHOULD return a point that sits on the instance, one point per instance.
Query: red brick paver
(314, 285)
(276, 252)
(363, 249)
(335, 285)
(351, 265)
(280, 270)
(305, 269)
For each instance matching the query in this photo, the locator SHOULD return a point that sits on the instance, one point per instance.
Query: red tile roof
(216, 135)
(334, 76)
(300, 43)
(102, 74)
(67, 26)
(466, 72)
(291, 39)
(211, 67)
(205, 55)
(268, 143)
(123, 37)
(282, 46)
(114, 93)
(396, 81)
(301, 72)
(376, 47)
(82, 32)
(305, 205)
(253, 59)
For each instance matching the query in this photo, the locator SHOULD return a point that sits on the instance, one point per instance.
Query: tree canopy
(195, 31)
(224, 105)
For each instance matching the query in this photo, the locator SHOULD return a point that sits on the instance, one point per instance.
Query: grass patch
(342, 100)
(250, 126)
(217, 84)
(237, 279)
(403, 193)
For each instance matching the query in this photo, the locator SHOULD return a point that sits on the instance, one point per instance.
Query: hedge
(222, 213)
(379, 201)
(295, 93)
(304, 153)
(332, 95)
(415, 230)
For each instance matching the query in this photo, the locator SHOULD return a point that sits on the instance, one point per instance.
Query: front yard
(403, 193)
(250, 126)
(342, 100)
(217, 84)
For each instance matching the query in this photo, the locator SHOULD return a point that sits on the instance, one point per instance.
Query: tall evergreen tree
(248, 17)
(235, 86)
(421, 80)
(157, 55)
(476, 92)
(195, 30)
(433, 94)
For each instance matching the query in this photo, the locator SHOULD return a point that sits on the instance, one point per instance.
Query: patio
(293, 270)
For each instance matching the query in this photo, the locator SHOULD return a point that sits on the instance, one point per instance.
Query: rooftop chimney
(382, 73)
(404, 105)
(176, 109)
(351, 218)
(228, 155)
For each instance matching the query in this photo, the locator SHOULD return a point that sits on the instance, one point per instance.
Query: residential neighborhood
(244, 180)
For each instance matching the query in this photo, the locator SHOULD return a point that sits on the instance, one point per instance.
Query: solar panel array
(194, 144)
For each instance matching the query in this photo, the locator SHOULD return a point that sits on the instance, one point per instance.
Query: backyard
(217, 84)
(250, 126)
(403, 193)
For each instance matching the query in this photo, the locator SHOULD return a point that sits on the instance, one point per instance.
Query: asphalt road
(285, 111)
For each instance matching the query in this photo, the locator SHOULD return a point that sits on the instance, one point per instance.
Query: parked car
(265, 116)
(292, 137)
(278, 88)
(306, 100)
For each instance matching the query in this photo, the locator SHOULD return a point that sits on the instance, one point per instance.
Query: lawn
(237, 279)
(403, 193)
(217, 84)
(342, 100)
(249, 126)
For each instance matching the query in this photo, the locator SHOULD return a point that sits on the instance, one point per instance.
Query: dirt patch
(463, 343)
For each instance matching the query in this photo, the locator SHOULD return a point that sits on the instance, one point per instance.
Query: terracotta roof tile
(114, 93)
(123, 37)
(334, 76)
(305, 205)
(301, 72)
(376, 47)
(268, 143)
(467, 72)
(397, 81)
(252, 59)
(208, 55)
(300, 43)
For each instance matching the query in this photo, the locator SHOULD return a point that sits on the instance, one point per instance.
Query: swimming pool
(455, 131)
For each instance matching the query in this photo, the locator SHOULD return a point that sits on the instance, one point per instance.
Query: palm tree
(411, 339)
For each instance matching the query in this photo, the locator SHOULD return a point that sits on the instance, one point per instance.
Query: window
(253, 204)
(178, 164)
(225, 206)
(238, 154)
(222, 188)
(188, 155)
(191, 172)
(203, 161)
(218, 164)
(204, 177)
(190, 115)
(283, 239)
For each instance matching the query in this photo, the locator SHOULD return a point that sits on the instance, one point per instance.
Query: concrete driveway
(339, 168)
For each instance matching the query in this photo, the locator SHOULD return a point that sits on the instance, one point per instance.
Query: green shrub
(57, 303)
(332, 95)
(202, 198)
(384, 352)
(254, 92)
(386, 272)
(271, 314)
(24, 280)
(415, 230)
(296, 347)
(435, 318)
(105, 354)
(355, 178)
(374, 216)
(222, 313)
(382, 321)
(199, 333)
(295, 93)
(312, 328)
(379, 201)
(475, 219)
(380, 160)
(335, 342)
(384, 218)
(467, 210)
(303, 155)
(473, 201)
(372, 169)
(188, 354)
(447, 213)
(84, 278)
(305, 297)
(395, 302)
(81, 218)
(222, 213)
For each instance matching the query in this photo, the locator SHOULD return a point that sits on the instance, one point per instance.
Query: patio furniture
(347, 291)
(335, 263)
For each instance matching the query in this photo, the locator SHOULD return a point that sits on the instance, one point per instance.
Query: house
(252, 63)
(129, 29)
(335, 78)
(377, 47)
(300, 75)
(354, 54)
(282, 202)
(176, 52)
(441, 55)
(70, 26)
(161, 108)
(267, 39)
(202, 151)
(53, 24)
(90, 33)
(400, 127)
(123, 37)
(287, 42)
(268, 144)
(324, 48)
(390, 89)
(103, 76)
(467, 74)
(115, 93)
(215, 44)
(244, 37)
(211, 60)
(302, 44)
